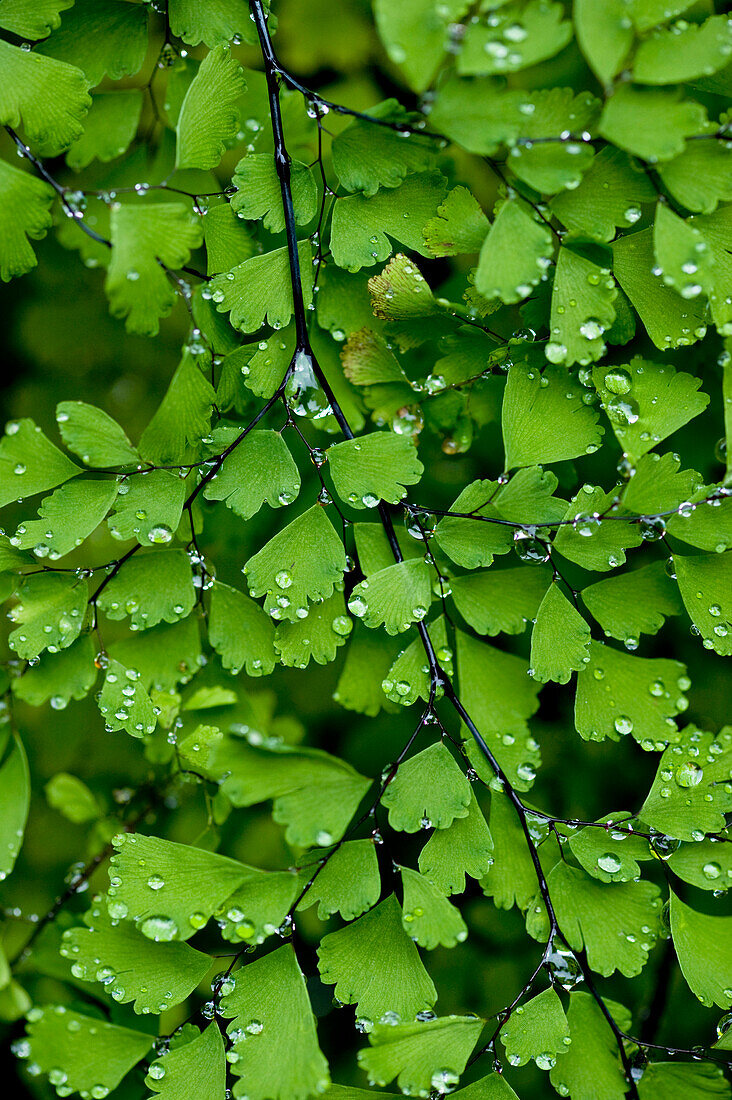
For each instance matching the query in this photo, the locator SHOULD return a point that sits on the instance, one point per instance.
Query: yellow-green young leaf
(582, 310)
(258, 907)
(374, 467)
(368, 360)
(428, 917)
(400, 293)
(560, 639)
(259, 195)
(616, 923)
(674, 55)
(618, 694)
(25, 216)
(460, 225)
(587, 539)
(703, 947)
(683, 255)
(273, 1031)
(423, 1055)
(537, 1030)
(72, 798)
(394, 597)
(14, 800)
(604, 34)
(59, 677)
(502, 601)
(705, 584)
(610, 194)
(145, 240)
(301, 564)
(515, 254)
(124, 703)
(240, 632)
(198, 1068)
(706, 864)
(465, 847)
(651, 123)
(699, 178)
(260, 470)
(67, 517)
(46, 97)
(109, 128)
(670, 320)
(151, 588)
(29, 463)
(211, 21)
(689, 795)
(610, 855)
(209, 116)
(362, 229)
(318, 637)
(677, 1082)
(174, 891)
(349, 882)
(429, 790)
(414, 33)
(94, 436)
(591, 1065)
(400, 985)
(101, 36)
(32, 18)
(90, 1054)
(499, 696)
(260, 289)
(151, 508)
(367, 157)
(647, 402)
(51, 609)
(514, 39)
(544, 418)
(633, 603)
(131, 967)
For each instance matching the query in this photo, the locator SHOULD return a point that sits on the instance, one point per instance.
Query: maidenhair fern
(450, 366)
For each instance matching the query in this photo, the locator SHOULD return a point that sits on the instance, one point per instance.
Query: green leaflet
(560, 639)
(704, 586)
(502, 601)
(374, 467)
(210, 21)
(618, 694)
(48, 98)
(582, 310)
(429, 918)
(94, 436)
(124, 703)
(209, 118)
(35, 19)
(59, 677)
(537, 1030)
(610, 855)
(72, 798)
(634, 603)
(417, 1053)
(349, 882)
(393, 597)
(25, 218)
(273, 1031)
(29, 462)
(460, 225)
(51, 609)
(591, 1062)
(511, 878)
(150, 510)
(131, 967)
(151, 588)
(259, 196)
(109, 128)
(464, 848)
(613, 188)
(198, 1065)
(414, 35)
(66, 518)
(651, 123)
(676, 55)
(367, 157)
(143, 238)
(544, 418)
(182, 418)
(318, 637)
(428, 790)
(15, 789)
(240, 632)
(89, 1053)
(301, 564)
(683, 255)
(101, 36)
(604, 34)
(260, 471)
(672, 1082)
(702, 946)
(188, 885)
(363, 228)
(587, 539)
(226, 237)
(258, 907)
(515, 254)
(704, 864)
(400, 985)
(518, 37)
(248, 294)
(689, 795)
